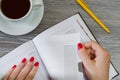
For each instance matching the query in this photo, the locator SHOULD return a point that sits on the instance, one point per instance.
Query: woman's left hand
(23, 71)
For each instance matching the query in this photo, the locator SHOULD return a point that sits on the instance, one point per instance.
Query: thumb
(84, 55)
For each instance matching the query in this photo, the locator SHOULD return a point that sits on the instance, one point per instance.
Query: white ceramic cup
(33, 4)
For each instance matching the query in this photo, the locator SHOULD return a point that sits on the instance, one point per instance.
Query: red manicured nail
(36, 64)
(31, 59)
(24, 60)
(14, 66)
(79, 46)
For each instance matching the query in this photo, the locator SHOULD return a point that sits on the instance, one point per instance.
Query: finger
(93, 45)
(83, 54)
(89, 51)
(100, 53)
(17, 70)
(26, 69)
(33, 72)
(91, 54)
(9, 72)
(84, 72)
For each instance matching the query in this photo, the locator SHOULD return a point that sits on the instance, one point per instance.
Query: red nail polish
(31, 59)
(24, 60)
(79, 46)
(36, 64)
(14, 66)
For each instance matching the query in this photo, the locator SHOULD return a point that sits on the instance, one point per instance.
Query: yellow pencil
(86, 8)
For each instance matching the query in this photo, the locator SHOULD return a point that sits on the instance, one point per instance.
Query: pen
(95, 18)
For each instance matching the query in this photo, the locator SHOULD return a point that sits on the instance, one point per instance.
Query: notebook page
(71, 25)
(60, 56)
(14, 57)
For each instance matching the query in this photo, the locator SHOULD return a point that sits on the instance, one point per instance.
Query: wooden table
(57, 10)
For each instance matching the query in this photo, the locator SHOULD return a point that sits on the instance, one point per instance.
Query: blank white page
(59, 54)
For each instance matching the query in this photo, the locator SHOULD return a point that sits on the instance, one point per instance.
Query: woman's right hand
(97, 66)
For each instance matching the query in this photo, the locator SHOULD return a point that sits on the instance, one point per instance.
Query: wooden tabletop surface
(57, 10)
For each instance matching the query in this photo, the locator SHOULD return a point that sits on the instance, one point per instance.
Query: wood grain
(57, 10)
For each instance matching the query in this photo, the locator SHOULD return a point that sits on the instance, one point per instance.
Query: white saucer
(25, 25)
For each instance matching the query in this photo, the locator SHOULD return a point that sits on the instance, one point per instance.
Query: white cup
(33, 4)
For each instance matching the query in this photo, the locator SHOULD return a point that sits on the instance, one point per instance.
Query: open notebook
(56, 50)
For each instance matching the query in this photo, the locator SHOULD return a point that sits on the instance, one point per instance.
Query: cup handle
(37, 3)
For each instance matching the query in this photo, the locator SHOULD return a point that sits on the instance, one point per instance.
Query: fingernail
(36, 64)
(14, 66)
(79, 46)
(31, 59)
(24, 60)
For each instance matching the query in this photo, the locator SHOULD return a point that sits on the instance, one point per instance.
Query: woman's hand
(23, 71)
(96, 60)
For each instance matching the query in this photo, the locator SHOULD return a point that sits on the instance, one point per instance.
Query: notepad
(56, 50)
